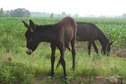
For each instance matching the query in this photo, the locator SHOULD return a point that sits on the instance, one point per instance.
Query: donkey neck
(45, 27)
(103, 39)
(46, 33)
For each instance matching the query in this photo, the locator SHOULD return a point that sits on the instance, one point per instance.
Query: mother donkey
(58, 35)
(90, 32)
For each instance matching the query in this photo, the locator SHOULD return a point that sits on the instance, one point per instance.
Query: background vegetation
(19, 12)
(16, 67)
(22, 12)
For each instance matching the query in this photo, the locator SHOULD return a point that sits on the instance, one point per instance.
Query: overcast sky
(81, 7)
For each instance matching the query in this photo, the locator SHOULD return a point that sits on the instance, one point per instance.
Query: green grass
(27, 68)
(35, 68)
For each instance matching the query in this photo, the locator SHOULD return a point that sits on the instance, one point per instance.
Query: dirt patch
(85, 48)
(79, 47)
(108, 80)
(120, 52)
(81, 80)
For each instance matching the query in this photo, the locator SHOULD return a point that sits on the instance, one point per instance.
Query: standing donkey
(58, 35)
(90, 32)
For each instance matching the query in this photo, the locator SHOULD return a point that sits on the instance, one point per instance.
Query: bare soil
(120, 52)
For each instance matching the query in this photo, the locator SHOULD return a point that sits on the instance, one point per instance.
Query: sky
(80, 7)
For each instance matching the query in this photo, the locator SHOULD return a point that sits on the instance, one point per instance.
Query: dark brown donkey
(58, 35)
(90, 32)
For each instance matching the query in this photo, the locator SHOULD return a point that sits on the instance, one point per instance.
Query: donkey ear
(108, 45)
(25, 24)
(32, 25)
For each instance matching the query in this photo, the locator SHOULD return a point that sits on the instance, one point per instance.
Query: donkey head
(108, 48)
(31, 37)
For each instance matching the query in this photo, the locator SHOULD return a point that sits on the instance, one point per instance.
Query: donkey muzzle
(28, 51)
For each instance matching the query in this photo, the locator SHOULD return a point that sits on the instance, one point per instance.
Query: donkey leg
(63, 65)
(67, 46)
(58, 63)
(53, 48)
(62, 61)
(95, 47)
(89, 48)
(73, 53)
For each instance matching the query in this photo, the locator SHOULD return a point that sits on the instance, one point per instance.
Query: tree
(1, 12)
(76, 15)
(20, 12)
(63, 14)
(124, 15)
(52, 15)
(7, 13)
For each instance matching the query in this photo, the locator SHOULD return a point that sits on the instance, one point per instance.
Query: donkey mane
(45, 27)
(102, 37)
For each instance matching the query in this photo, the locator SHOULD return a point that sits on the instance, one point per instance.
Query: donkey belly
(78, 38)
(83, 38)
(86, 36)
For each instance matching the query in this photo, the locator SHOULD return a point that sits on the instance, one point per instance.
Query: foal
(58, 35)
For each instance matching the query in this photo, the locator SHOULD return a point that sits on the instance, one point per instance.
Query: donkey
(90, 32)
(58, 35)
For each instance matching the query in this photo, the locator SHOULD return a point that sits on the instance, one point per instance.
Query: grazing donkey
(90, 32)
(58, 35)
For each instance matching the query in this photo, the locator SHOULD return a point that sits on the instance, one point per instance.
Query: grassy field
(16, 67)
